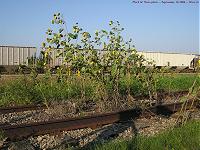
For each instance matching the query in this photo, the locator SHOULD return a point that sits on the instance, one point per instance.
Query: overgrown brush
(115, 60)
(47, 89)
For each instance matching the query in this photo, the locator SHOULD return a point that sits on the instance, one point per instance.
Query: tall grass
(177, 82)
(28, 91)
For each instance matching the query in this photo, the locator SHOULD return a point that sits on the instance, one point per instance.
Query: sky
(153, 27)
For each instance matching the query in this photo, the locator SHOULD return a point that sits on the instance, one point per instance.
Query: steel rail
(5, 110)
(17, 132)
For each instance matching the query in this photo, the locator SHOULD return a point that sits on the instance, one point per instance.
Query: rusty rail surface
(17, 132)
(21, 131)
(21, 108)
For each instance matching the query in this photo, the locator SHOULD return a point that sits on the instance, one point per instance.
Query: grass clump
(177, 82)
(186, 137)
(27, 91)
(19, 91)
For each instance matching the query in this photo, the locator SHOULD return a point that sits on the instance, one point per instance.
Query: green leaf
(61, 30)
(111, 23)
(104, 31)
(73, 36)
(43, 44)
(60, 21)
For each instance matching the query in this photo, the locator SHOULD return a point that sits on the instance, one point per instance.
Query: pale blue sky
(153, 27)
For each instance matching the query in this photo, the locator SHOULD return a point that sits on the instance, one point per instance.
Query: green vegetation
(177, 82)
(27, 90)
(186, 137)
(22, 91)
(117, 58)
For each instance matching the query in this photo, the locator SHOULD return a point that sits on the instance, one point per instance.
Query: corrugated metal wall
(159, 58)
(11, 55)
(56, 61)
(169, 59)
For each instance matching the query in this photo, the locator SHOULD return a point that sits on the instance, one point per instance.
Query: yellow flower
(78, 73)
(69, 71)
(91, 62)
(45, 54)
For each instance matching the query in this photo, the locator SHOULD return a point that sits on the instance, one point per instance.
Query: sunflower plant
(114, 59)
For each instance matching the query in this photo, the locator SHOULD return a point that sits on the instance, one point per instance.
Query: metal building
(14, 55)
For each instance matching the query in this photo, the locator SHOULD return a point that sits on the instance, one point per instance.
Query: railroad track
(5, 110)
(17, 132)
